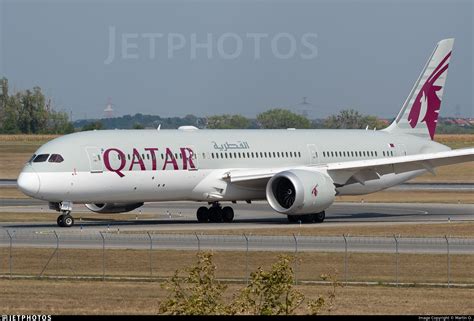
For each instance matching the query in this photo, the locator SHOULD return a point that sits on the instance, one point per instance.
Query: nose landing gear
(65, 219)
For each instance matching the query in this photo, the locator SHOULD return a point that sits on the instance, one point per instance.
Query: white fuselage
(172, 165)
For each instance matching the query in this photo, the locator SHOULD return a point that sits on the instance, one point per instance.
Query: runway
(160, 219)
(168, 216)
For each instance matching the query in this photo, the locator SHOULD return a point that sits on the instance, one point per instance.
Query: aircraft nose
(29, 183)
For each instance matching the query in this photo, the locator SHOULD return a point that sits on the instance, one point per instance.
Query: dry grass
(456, 141)
(376, 267)
(462, 229)
(11, 192)
(115, 297)
(38, 139)
(411, 197)
(459, 173)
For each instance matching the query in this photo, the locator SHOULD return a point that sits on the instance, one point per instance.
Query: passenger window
(56, 158)
(41, 158)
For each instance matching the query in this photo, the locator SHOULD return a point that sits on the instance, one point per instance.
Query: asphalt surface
(182, 215)
(162, 218)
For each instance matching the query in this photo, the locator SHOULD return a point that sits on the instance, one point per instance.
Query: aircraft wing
(360, 170)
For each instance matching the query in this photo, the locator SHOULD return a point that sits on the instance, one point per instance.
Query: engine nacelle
(113, 207)
(300, 192)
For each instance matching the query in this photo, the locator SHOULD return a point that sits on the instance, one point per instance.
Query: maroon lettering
(169, 159)
(107, 164)
(152, 152)
(187, 154)
(137, 159)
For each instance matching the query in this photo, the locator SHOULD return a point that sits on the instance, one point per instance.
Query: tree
(270, 293)
(11, 115)
(352, 119)
(197, 293)
(93, 126)
(228, 122)
(3, 99)
(138, 126)
(282, 118)
(26, 112)
(348, 118)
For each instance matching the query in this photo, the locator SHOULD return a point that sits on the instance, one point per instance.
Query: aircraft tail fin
(419, 114)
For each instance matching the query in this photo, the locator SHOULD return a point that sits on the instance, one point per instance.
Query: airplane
(298, 171)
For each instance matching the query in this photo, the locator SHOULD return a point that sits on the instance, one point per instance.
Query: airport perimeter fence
(109, 255)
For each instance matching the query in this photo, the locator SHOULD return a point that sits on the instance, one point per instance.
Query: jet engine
(113, 207)
(300, 192)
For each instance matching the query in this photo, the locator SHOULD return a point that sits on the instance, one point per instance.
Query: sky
(172, 58)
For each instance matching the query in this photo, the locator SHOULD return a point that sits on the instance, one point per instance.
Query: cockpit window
(32, 157)
(41, 158)
(55, 158)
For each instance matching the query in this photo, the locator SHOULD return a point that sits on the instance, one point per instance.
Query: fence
(104, 255)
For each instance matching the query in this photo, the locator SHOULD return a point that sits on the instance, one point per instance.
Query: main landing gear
(308, 218)
(215, 214)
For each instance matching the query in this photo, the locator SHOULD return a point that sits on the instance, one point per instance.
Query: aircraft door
(95, 159)
(313, 154)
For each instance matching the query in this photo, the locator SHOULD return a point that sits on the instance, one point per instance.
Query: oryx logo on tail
(427, 103)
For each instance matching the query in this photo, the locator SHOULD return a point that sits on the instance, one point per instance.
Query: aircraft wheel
(60, 220)
(227, 214)
(307, 218)
(319, 217)
(215, 214)
(68, 221)
(202, 214)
